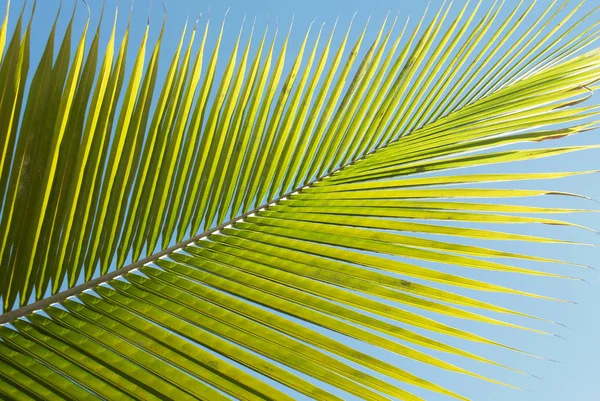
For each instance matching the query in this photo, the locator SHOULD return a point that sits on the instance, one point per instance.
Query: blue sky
(574, 377)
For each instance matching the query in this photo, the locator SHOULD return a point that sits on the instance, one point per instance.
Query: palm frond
(187, 235)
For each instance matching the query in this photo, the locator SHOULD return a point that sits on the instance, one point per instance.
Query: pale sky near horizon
(575, 376)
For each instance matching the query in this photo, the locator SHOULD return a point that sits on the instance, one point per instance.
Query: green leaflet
(296, 140)
(252, 94)
(77, 183)
(165, 379)
(313, 361)
(210, 125)
(28, 346)
(3, 29)
(326, 126)
(267, 131)
(403, 203)
(216, 151)
(281, 137)
(354, 159)
(350, 101)
(421, 227)
(311, 337)
(11, 390)
(54, 384)
(16, 62)
(66, 100)
(256, 259)
(445, 180)
(184, 167)
(401, 298)
(289, 246)
(158, 150)
(247, 280)
(408, 107)
(45, 335)
(250, 141)
(129, 124)
(383, 105)
(69, 148)
(146, 168)
(174, 322)
(455, 63)
(386, 238)
(459, 86)
(320, 127)
(173, 148)
(192, 359)
(352, 130)
(139, 124)
(437, 215)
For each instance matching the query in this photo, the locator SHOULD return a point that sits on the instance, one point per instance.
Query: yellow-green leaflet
(155, 149)
(326, 114)
(119, 141)
(216, 149)
(267, 131)
(16, 62)
(241, 131)
(220, 265)
(177, 137)
(350, 102)
(324, 135)
(274, 153)
(189, 324)
(291, 142)
(64, 109)
(84, 221)
(216, 204)
(320, 214)
(70, 147)
(209, 126)
(351, 130)
(191, 139)
(84, 150)
(305, 216)
(3, 29)
(312, 116)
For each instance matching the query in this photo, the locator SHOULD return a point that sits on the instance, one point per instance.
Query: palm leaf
(196, 235)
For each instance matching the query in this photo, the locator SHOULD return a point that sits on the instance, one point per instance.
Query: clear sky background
(576, 376)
